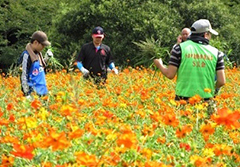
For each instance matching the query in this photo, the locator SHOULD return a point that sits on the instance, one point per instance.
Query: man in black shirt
(95, 57)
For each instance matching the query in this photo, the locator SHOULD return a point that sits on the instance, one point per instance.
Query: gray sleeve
(24, 76)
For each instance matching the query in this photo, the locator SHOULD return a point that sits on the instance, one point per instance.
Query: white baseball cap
(201, 26)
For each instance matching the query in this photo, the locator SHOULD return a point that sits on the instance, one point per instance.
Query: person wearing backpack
(32, 63)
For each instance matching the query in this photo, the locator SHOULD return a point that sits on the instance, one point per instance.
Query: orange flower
(118, 90)
(1, 113)
(155, 116)
(54, 106)
(200, 161)
(235, 136)
(24, 151)
(126, 70)
(155, 164)
(115, 158)
(145, 95)
(67, 110)
(161, 140)
(47, 164)
(146, 153)
(7, 161)
(4, 121)
(127, 138)
(195, 99)
(227, 118)
(9, 139)
(171, 120)
(57, 141)
(183, 102)
(147, 131)
(91, 128)
(207, 130)
(108, 114)
(222, 149)
(35, 104)
(76, 134)
(85, 159)
(182, 132)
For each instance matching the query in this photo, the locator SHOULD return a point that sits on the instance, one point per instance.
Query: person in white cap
(95, 57)
(195, 63)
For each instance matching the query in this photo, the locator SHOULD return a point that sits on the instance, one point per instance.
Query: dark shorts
(177, 98)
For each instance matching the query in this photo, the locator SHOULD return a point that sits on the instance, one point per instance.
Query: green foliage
(19, 19)
(123, 22)
(151, 49)
(69, 26)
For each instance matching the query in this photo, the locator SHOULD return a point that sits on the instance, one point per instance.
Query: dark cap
(98, 32)
(41, 37)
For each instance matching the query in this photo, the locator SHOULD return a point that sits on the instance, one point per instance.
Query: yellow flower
(43, 113)
(111, 137)
(199, 106)
(208, 152)
(31, 122)
(207, 90)
(123, 105)
(173, 102)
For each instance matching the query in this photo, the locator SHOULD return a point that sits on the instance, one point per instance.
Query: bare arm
(220, 79)
(169, 71)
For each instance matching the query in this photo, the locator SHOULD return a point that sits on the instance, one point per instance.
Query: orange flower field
(132, 121)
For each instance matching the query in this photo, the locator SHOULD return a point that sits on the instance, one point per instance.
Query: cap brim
(213, 32)
(46, 43)
(98, 35)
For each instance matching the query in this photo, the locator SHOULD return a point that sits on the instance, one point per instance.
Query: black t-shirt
(96, 61)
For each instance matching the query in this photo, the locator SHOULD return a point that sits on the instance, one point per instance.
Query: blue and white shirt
(33, 76)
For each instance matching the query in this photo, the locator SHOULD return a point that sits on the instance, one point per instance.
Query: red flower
(10, 106)
(187, 147)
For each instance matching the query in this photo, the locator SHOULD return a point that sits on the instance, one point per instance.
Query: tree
(124, 22)
(19, 19)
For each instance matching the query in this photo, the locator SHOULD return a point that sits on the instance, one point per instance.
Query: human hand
(49, 53)
(179, 39)
(158, 62)
(29, 97)
(85, 72)
(115, 71)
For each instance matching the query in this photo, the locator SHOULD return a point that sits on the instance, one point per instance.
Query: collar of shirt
(199, 39)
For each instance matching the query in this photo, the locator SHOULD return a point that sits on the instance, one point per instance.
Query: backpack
(20, 59)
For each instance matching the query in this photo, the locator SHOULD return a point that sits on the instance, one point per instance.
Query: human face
(208, 35)
(185, 33)
(38, 46)
(97, 40)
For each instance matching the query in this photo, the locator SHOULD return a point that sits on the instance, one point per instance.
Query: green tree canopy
(127, 22)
